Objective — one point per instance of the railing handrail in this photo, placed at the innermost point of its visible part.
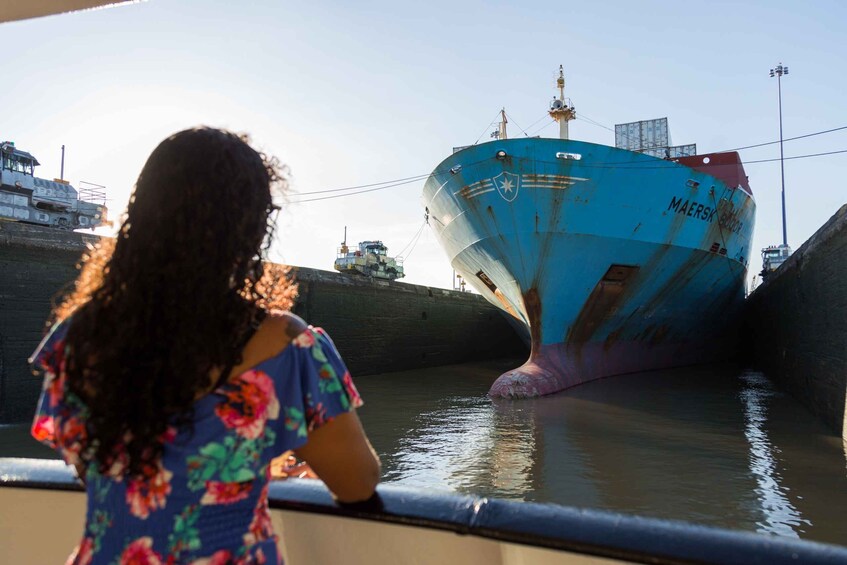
(590, 532)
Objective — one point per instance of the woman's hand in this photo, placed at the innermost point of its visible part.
(288, 466)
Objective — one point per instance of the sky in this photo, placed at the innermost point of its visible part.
(349, 94)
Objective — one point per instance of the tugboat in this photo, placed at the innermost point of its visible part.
(52, 203)
(370, 260)
(772, 257)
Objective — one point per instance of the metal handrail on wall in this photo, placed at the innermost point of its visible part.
(572, 531)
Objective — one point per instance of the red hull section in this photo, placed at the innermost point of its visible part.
(556, 367)
(724, 166)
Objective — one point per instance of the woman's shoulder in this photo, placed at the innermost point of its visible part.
(292, 330)
(282, 331)
(283, 327)
(275, 335)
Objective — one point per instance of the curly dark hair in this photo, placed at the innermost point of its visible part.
(162, 307)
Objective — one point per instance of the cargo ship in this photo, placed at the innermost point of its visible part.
(615, 259)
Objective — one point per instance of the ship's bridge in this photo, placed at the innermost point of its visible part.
(16, 167)
(375, 247)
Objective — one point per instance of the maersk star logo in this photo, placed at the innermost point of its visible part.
(507, 185)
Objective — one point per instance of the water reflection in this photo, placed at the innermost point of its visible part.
(780, 516)
(712, 445)
(462, 445)
(640, 445)
(437, 430)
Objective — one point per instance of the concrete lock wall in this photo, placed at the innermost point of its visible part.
(796, 323)
(35, 264)
(382, 326)
(378, 326)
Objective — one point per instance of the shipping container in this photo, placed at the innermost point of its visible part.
(651, 137)
(645, 134)
(672, 152)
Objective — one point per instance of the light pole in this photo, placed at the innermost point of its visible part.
(778, 72)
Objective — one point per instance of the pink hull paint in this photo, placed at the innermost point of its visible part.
(557, 367)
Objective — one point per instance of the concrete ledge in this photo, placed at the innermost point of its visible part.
(795, 323)
(16, 234)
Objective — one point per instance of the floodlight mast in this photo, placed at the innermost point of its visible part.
(777, 72)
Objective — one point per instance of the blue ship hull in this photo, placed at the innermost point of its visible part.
(614, 261)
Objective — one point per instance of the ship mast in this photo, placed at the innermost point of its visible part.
(561, 109)
(501, 133)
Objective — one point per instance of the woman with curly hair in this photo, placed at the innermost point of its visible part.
(174, 373)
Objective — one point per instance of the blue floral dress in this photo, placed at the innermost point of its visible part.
(209, 497)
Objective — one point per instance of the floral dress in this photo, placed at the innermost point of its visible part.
(208, 499)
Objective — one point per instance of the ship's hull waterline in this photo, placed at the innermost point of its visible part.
(615, 261)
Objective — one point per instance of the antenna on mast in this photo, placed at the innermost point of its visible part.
(561, 108)
(500, 132)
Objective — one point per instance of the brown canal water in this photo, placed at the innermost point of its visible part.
(712, 445)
